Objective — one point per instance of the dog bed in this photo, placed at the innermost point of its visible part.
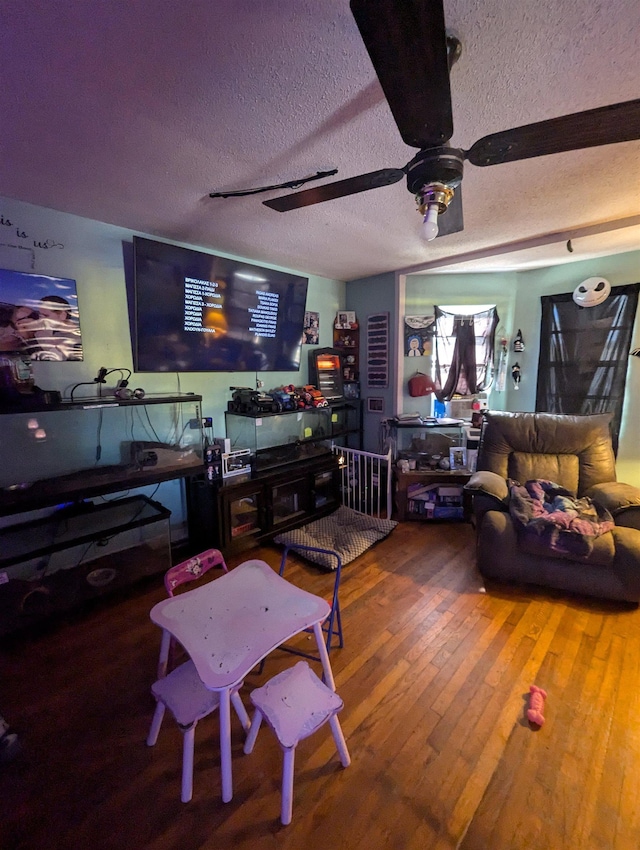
(347, 532)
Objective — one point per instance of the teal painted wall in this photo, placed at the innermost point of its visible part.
(618, 269)
(517, 298)
(425, 291)
(94, 254)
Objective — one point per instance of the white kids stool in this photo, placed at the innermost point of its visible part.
(295, 703)
(183, 693)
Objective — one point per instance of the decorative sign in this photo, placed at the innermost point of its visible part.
(378, 350)
(15, 238)
(418, 335)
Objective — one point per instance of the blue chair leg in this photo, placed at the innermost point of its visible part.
(334, 621)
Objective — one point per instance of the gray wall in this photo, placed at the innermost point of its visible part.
(368, 296)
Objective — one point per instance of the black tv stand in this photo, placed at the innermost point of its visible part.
(296, 476)
(234, 515)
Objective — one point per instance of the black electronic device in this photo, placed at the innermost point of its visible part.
(198, 312)
(144, 454)
(325, 372)
(17, 387)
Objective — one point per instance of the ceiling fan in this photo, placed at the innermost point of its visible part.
(412, 56)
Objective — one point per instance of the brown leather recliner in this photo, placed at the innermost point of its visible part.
(575, 452)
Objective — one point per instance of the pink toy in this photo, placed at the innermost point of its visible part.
(536, 703)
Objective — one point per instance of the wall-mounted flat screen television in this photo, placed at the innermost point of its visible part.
(39, 316)
(197, 312)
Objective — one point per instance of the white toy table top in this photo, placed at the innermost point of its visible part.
(228, 625)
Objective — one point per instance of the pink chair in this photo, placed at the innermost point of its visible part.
(186, 571)
(192, 569)
(295, 703)
(181, 690)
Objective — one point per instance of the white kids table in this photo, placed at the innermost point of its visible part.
(229, 625)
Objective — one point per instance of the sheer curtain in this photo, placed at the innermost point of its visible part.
(584, 354)
(464, 352)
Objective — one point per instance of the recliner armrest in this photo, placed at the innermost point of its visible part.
(489, 484)
(621, 500)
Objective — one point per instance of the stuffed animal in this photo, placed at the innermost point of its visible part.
(536, 703)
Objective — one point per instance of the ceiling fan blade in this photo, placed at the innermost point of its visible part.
(605, 125)
(451, 220)
(339, 189)
(407, 45)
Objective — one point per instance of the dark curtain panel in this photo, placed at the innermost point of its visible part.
(464, 352)
(584, 354)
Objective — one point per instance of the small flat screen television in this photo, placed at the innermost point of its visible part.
(197, 312)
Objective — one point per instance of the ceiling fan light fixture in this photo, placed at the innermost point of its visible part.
(418, 91)
(429, 229)
(433, 199)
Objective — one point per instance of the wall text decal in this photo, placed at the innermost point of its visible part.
(45, 244)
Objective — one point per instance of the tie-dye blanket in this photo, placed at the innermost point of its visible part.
(555, 517)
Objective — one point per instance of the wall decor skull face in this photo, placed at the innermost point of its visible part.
(592, 291)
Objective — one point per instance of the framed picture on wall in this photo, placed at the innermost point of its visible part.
(418, 335)
(346, 320)
(375, 405)
(39, 316)
(311, 330)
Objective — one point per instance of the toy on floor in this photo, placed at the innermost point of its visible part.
(536, 704)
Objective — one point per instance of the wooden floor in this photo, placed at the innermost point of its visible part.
(434, 676)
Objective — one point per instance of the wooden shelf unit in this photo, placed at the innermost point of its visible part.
(347, 342)
(443, 504)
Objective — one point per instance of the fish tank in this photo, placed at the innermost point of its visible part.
(275, 439)
(70, 450)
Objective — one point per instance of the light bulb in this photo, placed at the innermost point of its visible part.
(429, 229)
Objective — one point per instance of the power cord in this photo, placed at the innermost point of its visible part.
(101, 378)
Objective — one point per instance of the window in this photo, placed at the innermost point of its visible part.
(584, 354)
(464, 350)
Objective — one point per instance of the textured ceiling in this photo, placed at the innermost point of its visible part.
(132, 111)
